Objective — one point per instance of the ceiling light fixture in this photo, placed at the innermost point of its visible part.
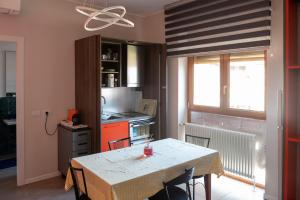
(109, 16)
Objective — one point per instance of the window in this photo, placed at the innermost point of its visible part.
(207, 72)
(231, 84)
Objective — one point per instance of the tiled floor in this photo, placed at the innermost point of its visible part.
(53, 189)
(224, 188)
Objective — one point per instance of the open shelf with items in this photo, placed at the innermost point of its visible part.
(111, 65)
(104, 72)
(114, 61)
(292, 102)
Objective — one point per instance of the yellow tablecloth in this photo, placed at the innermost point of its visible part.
(125, 174)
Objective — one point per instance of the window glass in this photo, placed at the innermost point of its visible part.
(247, 82)
(207, 81)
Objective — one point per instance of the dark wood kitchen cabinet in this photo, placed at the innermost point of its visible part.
(154, 84)
(88, 82)
(87, 85)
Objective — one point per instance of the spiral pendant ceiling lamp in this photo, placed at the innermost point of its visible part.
(107, 16)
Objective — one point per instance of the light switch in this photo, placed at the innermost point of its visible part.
(36, 113)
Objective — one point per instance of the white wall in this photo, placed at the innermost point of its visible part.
(182, 94)
(172, 97)
(154, 27)
(49, 29)
(275, 77)
(176, 96)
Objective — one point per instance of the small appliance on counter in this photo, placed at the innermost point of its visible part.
(73, 116)
(70, 125)
(73, 121)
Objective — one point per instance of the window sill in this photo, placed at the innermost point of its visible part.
(229, 112)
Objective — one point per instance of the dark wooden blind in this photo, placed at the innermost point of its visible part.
(203, 26)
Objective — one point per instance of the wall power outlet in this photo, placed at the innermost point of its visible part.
(46, 111)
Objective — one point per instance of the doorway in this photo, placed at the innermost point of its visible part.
(8, 106)
(12, 106)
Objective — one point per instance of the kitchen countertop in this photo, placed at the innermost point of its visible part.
(127, 116)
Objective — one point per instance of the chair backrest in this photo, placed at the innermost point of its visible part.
(197, 140)
(182, 179)
(74, 173)
(119, 144)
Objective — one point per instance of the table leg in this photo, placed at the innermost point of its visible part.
(207, 183)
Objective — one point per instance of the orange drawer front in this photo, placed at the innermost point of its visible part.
(113, 131)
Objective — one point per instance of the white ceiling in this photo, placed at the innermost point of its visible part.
(137, 7)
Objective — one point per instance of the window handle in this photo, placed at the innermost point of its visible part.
(225, 89)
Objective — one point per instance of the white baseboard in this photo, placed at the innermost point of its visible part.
(42, 177)
(269, 197)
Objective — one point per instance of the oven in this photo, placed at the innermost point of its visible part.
(140, 130)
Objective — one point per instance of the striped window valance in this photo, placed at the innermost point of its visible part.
(203, 26)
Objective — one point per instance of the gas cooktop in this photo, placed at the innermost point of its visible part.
(132, 114)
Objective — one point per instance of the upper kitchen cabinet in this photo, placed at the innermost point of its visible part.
(133, 57)
(111, 63)
(121, 63)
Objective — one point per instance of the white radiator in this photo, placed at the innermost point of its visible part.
(237, 149)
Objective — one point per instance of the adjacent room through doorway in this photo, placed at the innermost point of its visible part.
(7, 106)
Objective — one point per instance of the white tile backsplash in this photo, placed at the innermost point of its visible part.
(120, 99)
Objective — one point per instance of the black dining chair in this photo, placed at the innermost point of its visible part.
(171, 190)
(119, 144)
(201, 141)
(78, 194)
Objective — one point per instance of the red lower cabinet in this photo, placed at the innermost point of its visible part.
(113, 131)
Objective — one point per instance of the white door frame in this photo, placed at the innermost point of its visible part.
(20, 132)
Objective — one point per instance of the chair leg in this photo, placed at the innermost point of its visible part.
(194, 185)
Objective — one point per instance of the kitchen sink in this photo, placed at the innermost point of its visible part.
(113, 117)
(109, 117)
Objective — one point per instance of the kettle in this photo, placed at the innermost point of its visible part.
(76, 119)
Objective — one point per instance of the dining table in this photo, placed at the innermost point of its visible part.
(127, 174)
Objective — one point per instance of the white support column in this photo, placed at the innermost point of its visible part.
(275, 80)
(176, 96)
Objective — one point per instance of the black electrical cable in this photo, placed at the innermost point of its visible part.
(47, 132)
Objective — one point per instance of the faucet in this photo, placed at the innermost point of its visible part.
(104, 102)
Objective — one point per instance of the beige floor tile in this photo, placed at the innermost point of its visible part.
(53, 189)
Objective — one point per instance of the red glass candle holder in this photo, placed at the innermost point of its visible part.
(148, 151)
